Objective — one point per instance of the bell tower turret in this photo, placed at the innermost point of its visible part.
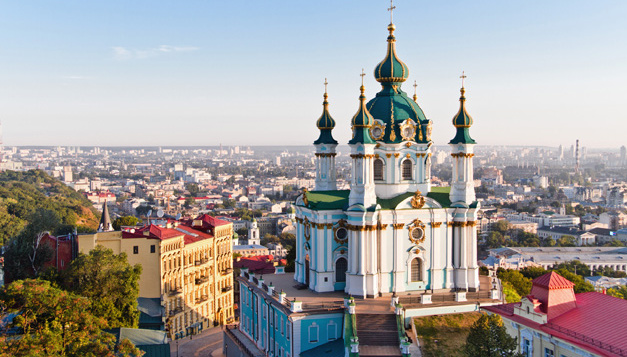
(326, 177)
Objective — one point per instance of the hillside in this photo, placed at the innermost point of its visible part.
(22, 193)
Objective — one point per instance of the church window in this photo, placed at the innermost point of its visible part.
(341, 265)
(331, 331)
(416, 269)
(313, 333)
(341, 234)
(378, 169)
(407, 170)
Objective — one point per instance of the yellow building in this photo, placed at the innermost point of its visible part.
(186, 264)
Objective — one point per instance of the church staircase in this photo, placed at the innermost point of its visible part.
(378, 335)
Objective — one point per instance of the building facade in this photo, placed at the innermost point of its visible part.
(187, 265)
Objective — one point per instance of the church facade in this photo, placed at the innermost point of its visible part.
(392, 231)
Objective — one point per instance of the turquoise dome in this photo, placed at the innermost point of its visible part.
(325, 123)
(361, 122)
(462, 121)
(391, 105)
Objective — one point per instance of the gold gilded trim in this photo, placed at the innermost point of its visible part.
(418, 201)
(461, 154)
(436, 224)
(388, 155)
(319, 154)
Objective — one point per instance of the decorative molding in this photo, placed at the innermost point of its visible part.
(408, 144)
(388, 155)
(461, 154)
(362, 156)
(398, 225)
(325, 154)
(396, 155)
(416, 231)
(436, 224)
(418, 201)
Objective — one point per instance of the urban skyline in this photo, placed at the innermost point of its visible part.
(203, 72)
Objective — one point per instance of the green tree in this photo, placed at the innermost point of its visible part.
(25, 255)
(109, 281)
(575, 267)
(533, 272)
(619, 292)
(519, 282)
(511, 295)
(124, 221)
(581, 285)
(291, 260)
(501, 226)
(54, 322)
(488, 338)
(567, 241)
(193, 189)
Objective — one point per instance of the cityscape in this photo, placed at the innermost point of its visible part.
(361, 226)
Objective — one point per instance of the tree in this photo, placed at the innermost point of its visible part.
(125, 221)
(193, 189)
(618, 291)
(567, 241)
(581, 285)
(488, 338)
(291, 260)
(54, 322)
(501, 226)
(189, 202)
(519, 282)
(532, 272)
(109, 281)
(25, 255)
(575, 267)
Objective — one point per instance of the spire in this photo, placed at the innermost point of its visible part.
(391, 69)
(105, 220)
(325, 123)
(462, 120)
(362, 120)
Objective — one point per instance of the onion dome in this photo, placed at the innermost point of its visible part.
(391, 69)
(462, 121)
(362, 121)
(392, 107)
(325, 123)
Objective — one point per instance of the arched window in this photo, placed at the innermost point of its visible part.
(416, 269)
(378, 169)
(407, 169)
(341, 265)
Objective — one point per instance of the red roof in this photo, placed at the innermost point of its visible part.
(552, 280)
(157, 232)
(262, 264)
(598, 323)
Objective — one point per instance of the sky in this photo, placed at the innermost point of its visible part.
(249, 72)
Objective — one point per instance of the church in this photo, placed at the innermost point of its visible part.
(392, 231)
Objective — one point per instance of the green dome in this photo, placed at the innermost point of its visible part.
(391, 69)
(462, 121)
(361, 122)
(325, 123)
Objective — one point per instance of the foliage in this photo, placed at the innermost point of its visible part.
(291, 260)
(24, 255)
(519, 282)
(501, 226)
(444, 335)
(124, 221)
(575, 267)
(53, 322)
(488, 338)
(24, 193)
(619, 292)
(567, 241)
(143, 210)
(607, 271)
(533, 272)
(511, 295)
(109, 281)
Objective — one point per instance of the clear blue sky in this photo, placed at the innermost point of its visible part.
(121, 72)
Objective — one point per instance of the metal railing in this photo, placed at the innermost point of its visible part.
(330, 305)
(587, 339)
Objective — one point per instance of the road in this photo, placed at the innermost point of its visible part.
(206, 344)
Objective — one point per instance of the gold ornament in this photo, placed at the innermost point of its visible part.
(418, 201)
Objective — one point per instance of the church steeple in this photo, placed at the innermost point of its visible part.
(391, 69)
(325, 123)
(362, 120)
(326, 178)
(462, 120)
(105, 220)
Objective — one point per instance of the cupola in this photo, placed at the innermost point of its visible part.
(391, 69)
(362, 120)
(462, 121)
(325, 123)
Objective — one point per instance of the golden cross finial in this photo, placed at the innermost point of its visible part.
(325, 85)
(391, 10)
(415, 91)
(463, 76)
(362, 76)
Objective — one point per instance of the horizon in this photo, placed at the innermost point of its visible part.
(92, 74)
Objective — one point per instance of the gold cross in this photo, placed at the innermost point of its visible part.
(325, 85)
(391, 10)
(463, 76)
(362, 76)
(415, 91)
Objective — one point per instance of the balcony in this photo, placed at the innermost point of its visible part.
(175, 292)
(227, 288)
(202, 280)
(227, 271)
(176, 311)
(202, 299)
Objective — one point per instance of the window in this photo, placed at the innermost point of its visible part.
(416, 269)
(526, 347)
(135, 249)
(313, 333)
(407, 170)
(331, 331)
(152, 248)
(378, 169)
(548, 352)
(289, 330)
(341, 265)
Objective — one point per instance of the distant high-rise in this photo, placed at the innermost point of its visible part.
(560, 152)
(623, 155)
(577, 156)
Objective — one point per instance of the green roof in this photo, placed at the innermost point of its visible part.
(462, 121)
(338, 199)
(391, 69)
(327, 200)
(325, 123)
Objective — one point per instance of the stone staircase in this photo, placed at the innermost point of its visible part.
(378, 335)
